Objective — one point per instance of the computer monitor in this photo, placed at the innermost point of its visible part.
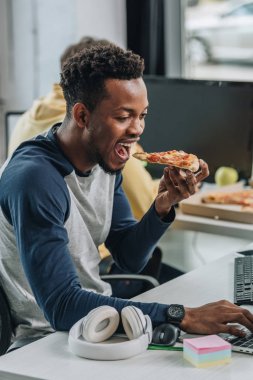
(11, 119)
(212, 119)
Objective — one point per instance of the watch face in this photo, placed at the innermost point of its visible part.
(176, 312)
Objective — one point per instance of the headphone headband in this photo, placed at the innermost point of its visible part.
(117, 347)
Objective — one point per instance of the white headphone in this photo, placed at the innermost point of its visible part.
(89, 337)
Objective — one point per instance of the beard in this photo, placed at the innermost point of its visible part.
(97, 157)
(104, 165)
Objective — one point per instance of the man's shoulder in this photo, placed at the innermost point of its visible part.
(35, 163)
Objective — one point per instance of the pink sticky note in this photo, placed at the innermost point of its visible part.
(205, 344)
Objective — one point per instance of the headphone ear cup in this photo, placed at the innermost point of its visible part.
(134, 322)
(100, 324)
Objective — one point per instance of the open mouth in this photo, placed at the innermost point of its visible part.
(123, 150)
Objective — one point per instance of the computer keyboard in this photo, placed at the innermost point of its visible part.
(242, 344)
(243, 280)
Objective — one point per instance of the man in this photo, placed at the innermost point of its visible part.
(61, 197)
(48, 110)
(137, 184)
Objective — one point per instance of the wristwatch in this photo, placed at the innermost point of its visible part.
(175, 314)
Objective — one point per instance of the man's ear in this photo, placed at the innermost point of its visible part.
(80, 114)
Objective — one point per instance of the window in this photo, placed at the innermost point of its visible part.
(219, 40)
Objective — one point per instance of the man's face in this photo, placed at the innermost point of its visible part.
(117, 122)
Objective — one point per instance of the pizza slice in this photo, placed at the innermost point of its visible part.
(177, 158)
(243, 198)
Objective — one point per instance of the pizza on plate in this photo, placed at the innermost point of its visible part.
(242, 197)
(177, 158)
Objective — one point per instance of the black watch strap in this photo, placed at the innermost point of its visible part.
(175, 314)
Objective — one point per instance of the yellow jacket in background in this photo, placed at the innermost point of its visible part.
(140, 188)
(45, 112)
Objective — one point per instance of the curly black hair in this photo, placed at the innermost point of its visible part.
(83, 43)
(83, 75)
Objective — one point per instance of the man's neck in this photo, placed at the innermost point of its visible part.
(68, 138)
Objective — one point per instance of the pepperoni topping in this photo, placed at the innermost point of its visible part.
(153, 158)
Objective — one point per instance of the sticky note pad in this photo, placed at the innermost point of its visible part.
(207, 351)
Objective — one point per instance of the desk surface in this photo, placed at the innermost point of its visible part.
(209, 225)
(50, 358)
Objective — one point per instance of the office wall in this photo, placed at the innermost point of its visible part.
(3, 73)
(70, 20)
(102, 18)
(33, 34)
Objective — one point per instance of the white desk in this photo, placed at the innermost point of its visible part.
(213, 226)
(49, 358)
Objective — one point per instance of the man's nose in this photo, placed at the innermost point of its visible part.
(136, 128)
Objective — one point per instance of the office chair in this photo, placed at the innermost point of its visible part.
(5, 323)
(126, 285)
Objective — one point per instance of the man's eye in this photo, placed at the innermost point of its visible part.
(143, 115)
(122, 118)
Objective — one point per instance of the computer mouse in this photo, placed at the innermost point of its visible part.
(165, 334)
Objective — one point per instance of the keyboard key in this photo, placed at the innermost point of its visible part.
(243, 280)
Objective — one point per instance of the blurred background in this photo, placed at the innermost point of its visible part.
(194, 39)
(210, 41)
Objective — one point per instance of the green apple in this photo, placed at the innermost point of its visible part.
(225, 176)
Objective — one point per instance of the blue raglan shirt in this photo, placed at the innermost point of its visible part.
(35, 201)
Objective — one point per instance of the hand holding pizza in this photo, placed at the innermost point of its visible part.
(181, 177)
(177, 185)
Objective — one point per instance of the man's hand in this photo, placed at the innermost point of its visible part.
(213, 318)
(177, 185)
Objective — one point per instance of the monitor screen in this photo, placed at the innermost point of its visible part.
(212, 119)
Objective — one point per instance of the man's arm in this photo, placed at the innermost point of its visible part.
(42, 244)
(37, 206)
(130, 242)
